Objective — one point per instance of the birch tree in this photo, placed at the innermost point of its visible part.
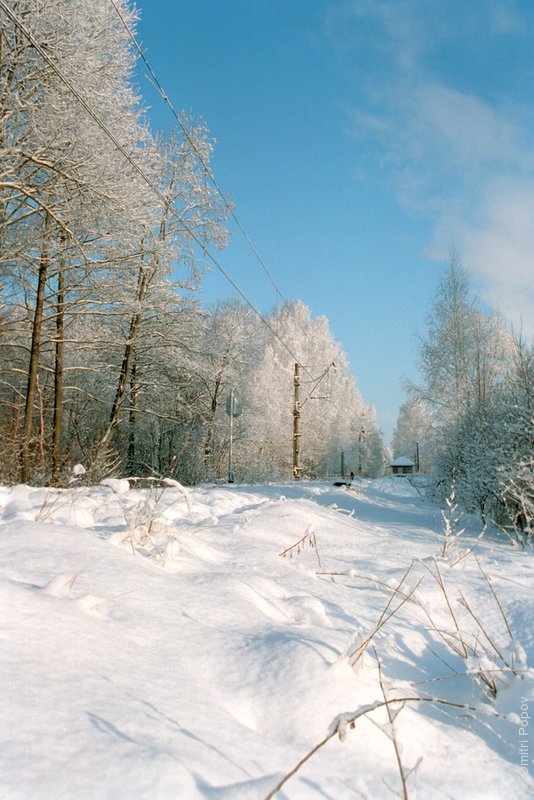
(63, 179)
(192, 212)
(478, 383)
(462, 354)
(332, 408)
(414, 433)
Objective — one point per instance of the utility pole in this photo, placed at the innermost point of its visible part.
(297, 405)
(296, 425)
(233, 409)
(230, 453)
(360, 436)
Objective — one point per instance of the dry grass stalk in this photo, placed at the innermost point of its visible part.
(344, 722)
(392, 734)
(488, 581)
(308, 540)
(353, 576)
(385, 616)
(458, 643)
(455, 641)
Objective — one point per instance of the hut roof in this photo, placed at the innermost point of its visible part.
(402, 461)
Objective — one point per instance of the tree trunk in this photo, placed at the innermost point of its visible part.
(210, 426)
(58, 378)
(143, 282)
(132, 419)
(33, 368)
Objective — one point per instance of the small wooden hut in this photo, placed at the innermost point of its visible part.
(401, 466)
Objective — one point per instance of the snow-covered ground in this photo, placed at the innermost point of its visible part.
(159, 644)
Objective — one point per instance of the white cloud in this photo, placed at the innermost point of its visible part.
(466, 133)
(463, 161)
(501, 251)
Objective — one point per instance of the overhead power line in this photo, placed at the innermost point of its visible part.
(102, 125)
(316, 382)
(205, 166)
(199, 155)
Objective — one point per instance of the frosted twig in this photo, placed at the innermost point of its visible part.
(310, 539)
(385, 616)
(392, 736)
(344, 721)
(488, 581)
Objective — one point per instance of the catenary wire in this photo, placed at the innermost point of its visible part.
(153, 78)
(199, 155)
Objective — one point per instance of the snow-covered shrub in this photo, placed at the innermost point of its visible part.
(451, 523)
(146, 518)
(517, 492)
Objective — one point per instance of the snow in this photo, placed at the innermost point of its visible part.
(402, 461)
(165, 642)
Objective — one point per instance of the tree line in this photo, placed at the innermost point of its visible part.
(107, 357)
(472, 412)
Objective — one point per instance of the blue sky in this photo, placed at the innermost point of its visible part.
(361, 140)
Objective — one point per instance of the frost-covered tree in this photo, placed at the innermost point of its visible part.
(190, 205)
(515, 433)
(478, 384)
(334, 416)
(226, 350)
(413, 434)
(96, 223)
(106, 355)
(490, 451)
(463, 353)
(466, 455)
(444, 356)
(70, 197)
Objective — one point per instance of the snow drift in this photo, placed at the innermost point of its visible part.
(199, 643)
